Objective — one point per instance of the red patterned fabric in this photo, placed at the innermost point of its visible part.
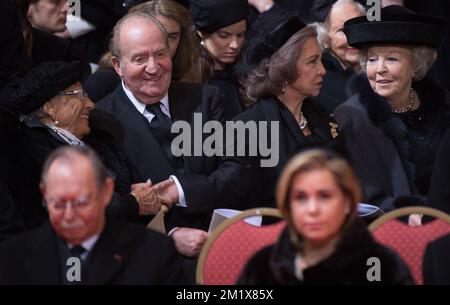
(410, 242)
(232, 249)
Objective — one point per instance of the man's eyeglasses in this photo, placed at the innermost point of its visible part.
(80, 93)
(61, 205)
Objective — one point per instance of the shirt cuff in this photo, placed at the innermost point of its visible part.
(181, 199)
(172, 231)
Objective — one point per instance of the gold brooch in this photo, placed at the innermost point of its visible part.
(333, 129)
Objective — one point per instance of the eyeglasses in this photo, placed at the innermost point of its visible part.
(80, 93)
(76, 204)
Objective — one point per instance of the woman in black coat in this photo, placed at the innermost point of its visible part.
(54, 112)
(284, 73)
(396, 117)
(324, 242)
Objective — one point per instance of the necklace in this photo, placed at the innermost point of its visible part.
(303, 122)
(410, 106)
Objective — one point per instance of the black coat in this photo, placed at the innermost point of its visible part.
(439, 196)
(48, 47)
(23, 159)
(261, 181)
(333, 92)
(124, 254)
(13, 58)
(274, 265)
(378, 142)
(229, 92)
(149, 157)
(436, 265)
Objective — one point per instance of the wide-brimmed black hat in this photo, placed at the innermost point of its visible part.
(44, 82)
(269, 33)
(397, 25)
(211, 15)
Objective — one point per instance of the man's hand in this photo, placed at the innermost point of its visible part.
(189, 242)
(167, 192)
(147, 198)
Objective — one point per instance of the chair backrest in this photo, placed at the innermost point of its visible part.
(407, 241)
(232, 244)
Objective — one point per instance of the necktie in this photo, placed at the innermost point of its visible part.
(161, 123)
(77, 251)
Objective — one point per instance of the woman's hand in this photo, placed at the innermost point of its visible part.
(415, 220)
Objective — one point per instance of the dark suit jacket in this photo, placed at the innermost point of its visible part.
(124, 254)
(148, 156)
(49, 47)
(436, 265)
(13, 58)
(439, 197)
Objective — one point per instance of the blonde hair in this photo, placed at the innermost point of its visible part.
(314, 160)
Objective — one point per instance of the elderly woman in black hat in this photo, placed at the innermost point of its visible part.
(55, 111)
(220, 27)
(283, 67)
(395, 120)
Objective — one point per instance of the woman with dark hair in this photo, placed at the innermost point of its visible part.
(396, 117)
(220, 27)
(324, 242)
(284, 69)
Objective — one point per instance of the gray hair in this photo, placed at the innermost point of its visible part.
(324, 40)
(423, 58)
(269, 77)
(69, 154)
(114, 42)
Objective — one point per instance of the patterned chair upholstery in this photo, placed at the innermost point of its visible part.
(410, 242)
(232, 244)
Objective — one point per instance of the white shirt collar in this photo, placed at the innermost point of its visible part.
(141, 106)
(89, 243)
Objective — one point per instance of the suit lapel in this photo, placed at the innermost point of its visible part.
(149, 148)
(109, 255)
(43, 263)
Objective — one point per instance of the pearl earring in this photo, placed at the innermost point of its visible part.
(415, 74)
(56, 122)
(283, 89)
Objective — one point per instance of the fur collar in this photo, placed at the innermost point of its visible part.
(356, 244)
(435, 102)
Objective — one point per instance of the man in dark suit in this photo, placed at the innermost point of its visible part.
(146, 107)
(79, 246)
